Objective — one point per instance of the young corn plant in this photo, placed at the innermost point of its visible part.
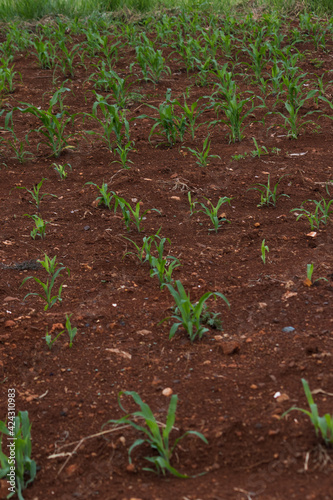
(131, 214)
(123, 154)
(7, 75)
(268, 196)
(50, 265)
(259, 151)
(167, 123)
(21, 470)
(320, 215)
(46, 53)
(144, 253)
(48, 286)
(322, 425)
(156, 435)
(66, 58)
(188, 314)
(257, 53)
(203, 156)
(264, 249)
(163, 268)
(72, 331)
(105, 197)
(109, 80)
(191, 114)
(151, 62)
(18, 147)
(113, 122)
(54, 125)
(40, 226)
(192, 203)
(35, 193)
(212, 212)
(291, 120)
(49, 340)
(235, 115)
(61, 170)
(309, 273)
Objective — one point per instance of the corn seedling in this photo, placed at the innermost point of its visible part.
(203, 156)
(113, 122)
(18, 467)
(321, 214)
(291, 120)
(50, 265)
(167, 122)
(188, 314)
(66, 58)
(259, 151)
(70, 330)
(123, 153)
(235, 116)
(212, 212)
(61, 169)
(257, 53)
(35, 193)
(191, 114)
(143, 253)
(46, 53)
(158, 439)
(7, 75)
(192, 204)
(40, 226)
(129, 212)
(53, 124)
(163, 268)
(109, 80)
(322, 425)
(264, 249)
(309, 272)
(49, 340)
(105, 197)
(48, 286)
(18, 147)
(204, 68)
(151, 62)
(267, 195)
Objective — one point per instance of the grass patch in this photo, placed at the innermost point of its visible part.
(28, 10)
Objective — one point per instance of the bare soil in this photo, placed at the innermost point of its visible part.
(226, 382)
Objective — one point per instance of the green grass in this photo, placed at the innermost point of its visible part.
(36, 9)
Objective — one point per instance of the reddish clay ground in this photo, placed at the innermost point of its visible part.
(227, 381)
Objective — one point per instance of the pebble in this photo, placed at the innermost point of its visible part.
(9, 323)
(167, 391)
(288, 329)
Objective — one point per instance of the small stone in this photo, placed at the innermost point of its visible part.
(57, 326)
(254, 386)
(10, 323)
(230, 348)
(86, 228)
(288, 329)
(167, 391)
(257, 224)
(143, 332)
(175, 198)
(282, 398)
(262, 305)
